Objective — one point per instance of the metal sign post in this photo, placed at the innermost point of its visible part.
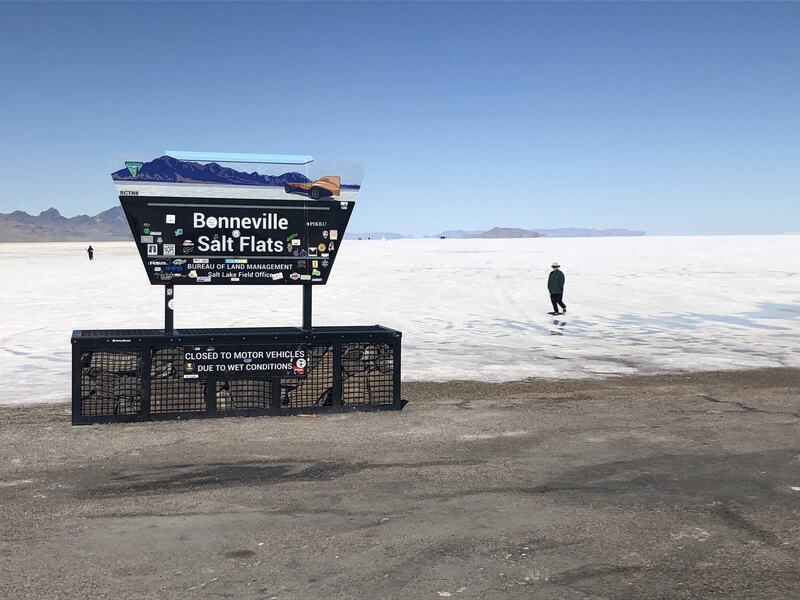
(307, 307)
(169, 312)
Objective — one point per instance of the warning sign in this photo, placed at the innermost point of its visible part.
(244, 361)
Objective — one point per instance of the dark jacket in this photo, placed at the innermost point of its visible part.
(555, 283)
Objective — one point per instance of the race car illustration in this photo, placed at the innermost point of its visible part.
(319, 188)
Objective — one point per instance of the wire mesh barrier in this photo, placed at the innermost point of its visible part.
(110, 383)
(316, 389)
(367, 371)
(140, 375)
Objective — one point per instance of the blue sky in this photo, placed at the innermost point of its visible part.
(671, 118)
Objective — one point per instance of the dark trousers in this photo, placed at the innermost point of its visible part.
(556, 300)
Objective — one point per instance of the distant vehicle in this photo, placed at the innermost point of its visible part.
(323, 187)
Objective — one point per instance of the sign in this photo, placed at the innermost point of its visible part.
(242, 241)
(244, 361)
(133, 167)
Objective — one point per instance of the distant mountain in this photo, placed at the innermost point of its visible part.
(171, 170)
(513, 232)
(504, 232)
(51, 226)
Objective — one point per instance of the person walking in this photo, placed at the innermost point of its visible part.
(90, 252)
(555, 285)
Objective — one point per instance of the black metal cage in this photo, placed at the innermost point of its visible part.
(138, 375)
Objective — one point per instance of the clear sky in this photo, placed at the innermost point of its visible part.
(671, 118)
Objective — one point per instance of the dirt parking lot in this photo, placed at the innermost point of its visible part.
(683, 486)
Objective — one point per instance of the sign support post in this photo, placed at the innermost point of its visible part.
(307, 306)
(168, 310)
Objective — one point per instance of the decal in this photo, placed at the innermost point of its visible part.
(133, 167)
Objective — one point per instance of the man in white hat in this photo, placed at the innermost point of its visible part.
(555, 285)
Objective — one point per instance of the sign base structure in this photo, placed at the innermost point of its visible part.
(153, 374)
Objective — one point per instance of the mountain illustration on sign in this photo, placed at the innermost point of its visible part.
(166, 169)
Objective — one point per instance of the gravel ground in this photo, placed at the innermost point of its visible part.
(683, 486)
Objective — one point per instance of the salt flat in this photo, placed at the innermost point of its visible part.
(468, 309)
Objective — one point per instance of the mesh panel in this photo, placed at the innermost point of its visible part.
(243, 394)
(169, 391)
(316, 389)
(367, 374)
(110, 383)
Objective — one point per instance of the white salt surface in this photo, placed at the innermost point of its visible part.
(468, 309)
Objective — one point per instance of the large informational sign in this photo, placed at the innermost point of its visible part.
(196, 221)
(243, 241)
(244, 361)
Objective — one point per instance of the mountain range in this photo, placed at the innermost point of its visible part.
(52, 226)
(111, 225)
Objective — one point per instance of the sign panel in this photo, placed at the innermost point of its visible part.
(244, 361)
(188, 241)
(237, 219)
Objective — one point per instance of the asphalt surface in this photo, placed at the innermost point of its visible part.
(652, 487)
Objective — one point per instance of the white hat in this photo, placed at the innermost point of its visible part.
(555, 264)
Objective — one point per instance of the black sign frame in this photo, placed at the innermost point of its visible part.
(236, 241)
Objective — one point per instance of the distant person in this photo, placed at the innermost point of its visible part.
(90, 252)
(555, 285)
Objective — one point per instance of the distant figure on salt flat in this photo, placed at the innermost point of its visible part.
(555, 285)
(90, 252)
